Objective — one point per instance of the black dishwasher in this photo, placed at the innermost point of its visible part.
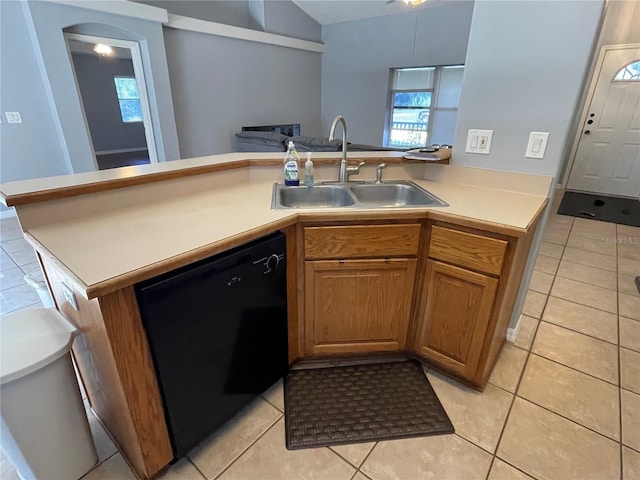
(218, 335)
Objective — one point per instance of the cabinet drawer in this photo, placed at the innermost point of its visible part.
(361, 241)
(467, 249)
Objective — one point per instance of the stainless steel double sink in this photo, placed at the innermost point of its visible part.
(394, 194)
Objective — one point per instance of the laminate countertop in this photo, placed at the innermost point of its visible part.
(109, 238)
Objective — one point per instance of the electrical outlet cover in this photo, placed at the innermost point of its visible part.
(70, 296)
(479, 141)
(13, 117)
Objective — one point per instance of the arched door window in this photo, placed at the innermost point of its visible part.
(629, 72)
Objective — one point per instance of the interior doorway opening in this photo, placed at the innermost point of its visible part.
(110, 82)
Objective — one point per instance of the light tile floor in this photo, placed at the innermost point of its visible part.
(562, 403)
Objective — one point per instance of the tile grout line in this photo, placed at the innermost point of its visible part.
(345, 459)
(99, 464)
(574, 369)
(624, 445)
(583, 304)
(578, 331)
(358, 471)
(582, 281)
(246, 449)
(196, 467)
(618, 353)
(568, 419)
(271, 403)
(524, 367)
(367, 458)
(513, 399)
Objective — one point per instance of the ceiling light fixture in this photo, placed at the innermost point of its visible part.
(102, 49)
(413, 3)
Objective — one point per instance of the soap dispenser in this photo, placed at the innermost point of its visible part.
(291, 160)
(308, 171)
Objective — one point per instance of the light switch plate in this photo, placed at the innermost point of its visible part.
(479, 141)
(537, 144)
(13, 117)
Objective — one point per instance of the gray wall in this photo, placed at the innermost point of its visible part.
(525, 73)
(285, 18)
(229, 12)
(37, 79)
(95, 78)
(48, 22)
(282, 17)
(359, 54)
(221, 84)
(30, 149)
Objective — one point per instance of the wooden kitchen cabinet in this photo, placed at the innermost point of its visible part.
(358, 287)
(358, 306)
(470, 282)
(454, 315)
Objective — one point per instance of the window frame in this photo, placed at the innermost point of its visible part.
(437, 74)
(392, 107)
(128, 77)
(634, 77)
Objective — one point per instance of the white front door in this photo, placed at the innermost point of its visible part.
(607, 159)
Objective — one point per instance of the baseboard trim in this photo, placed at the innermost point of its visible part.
(512, 332)
(122, 150)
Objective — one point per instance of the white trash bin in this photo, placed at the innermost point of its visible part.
(45, 431)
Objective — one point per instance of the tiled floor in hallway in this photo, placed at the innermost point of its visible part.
(17, 258)
(563, 401)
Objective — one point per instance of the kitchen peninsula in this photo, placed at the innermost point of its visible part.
(98, 234)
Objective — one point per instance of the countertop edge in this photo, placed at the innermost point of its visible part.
(130, 278)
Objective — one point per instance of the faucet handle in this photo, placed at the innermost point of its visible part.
(379, 172)
(354, 170)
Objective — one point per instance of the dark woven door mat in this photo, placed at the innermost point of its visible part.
(601, 207)
(360, 403)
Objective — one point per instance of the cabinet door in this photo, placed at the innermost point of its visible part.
(356, 306)
(454, 314)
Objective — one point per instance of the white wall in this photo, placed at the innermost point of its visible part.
(358, 56)
(524, 72)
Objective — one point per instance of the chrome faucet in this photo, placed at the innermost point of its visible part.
(345, 171)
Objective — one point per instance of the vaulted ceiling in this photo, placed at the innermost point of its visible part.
(335, 11)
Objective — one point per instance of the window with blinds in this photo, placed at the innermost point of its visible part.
(423, 103)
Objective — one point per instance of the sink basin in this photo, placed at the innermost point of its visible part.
(398, 194)
(322, 196)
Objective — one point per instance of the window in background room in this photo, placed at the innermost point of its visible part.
(423, 106)
(129, 100)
